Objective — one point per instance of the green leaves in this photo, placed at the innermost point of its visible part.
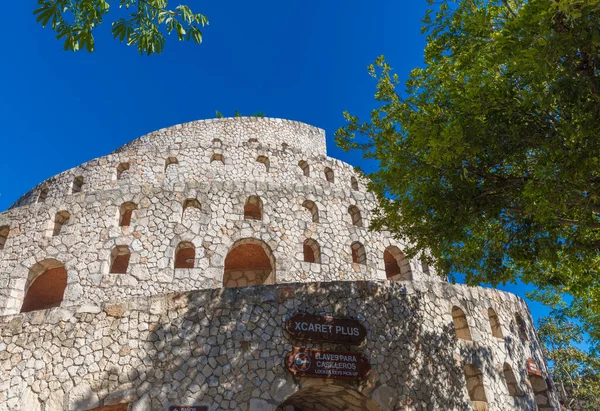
(574, 369)
(490, 151)
(75, 20)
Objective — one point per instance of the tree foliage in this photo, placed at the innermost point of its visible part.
(576, 371)
(143, 25)
(490, 158)
(238, 114)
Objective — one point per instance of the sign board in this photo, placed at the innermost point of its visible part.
(326, 329)
(532, 368)
(188, 408)
(339, 365)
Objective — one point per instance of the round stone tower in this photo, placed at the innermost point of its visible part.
(228, 264)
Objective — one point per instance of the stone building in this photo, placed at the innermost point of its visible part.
(164, 273)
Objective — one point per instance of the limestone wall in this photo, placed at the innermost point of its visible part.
(100, 242)
(84, 243)
(224, 348)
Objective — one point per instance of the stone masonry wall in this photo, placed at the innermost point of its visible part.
(224, 348)
(154, 335)
(85, 241)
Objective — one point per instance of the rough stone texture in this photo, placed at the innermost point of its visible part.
(157, 335)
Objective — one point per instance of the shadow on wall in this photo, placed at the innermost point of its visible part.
(225, 348)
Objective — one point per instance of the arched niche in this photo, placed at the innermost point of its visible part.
(45, 287)
(511, 381)
(4, 231)
(126, 213)
(185, 255)
(311, 251)
(359, 255)
(329, 175)
(264, 160)
(43, 195)
(521, 327)
(191, 210)
(77, 185)
(397, 266)
(119, 259)
(253, 208)
(249, 262)
(495, 323)
(171, 164)
(60, 219)
(122, 170)
(355, 216)
(304, 167)
(475, 386)
(312, 208)
(461, 325)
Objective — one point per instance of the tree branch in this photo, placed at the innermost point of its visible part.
(509, 8)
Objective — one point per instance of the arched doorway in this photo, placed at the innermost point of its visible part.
(249, 262)
(328, 397)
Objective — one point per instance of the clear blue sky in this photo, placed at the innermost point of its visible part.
(304, 61)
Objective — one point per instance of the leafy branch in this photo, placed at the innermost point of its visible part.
(75, 20)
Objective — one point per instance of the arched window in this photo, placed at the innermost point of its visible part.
(217, 142)
(218, 158)
(119, 259)
(511, 381)
(264, 161)
(312, 251)
(354, 183)
(77, 185)
(311, 207)
(4, 231)
(359, 256)
(355, 216)
(397, 266)
(191, 207)
(539, 385)
(475, 384)
(252, 140)
(171, 163)
(60, 219)
(329, 175)
(185, 255)
(495, 323)
(45, 286)
(122, 170)
(43, 195)
(521, 327)
(249, 262)
(126, 213)
(253, 209)
(284, 146)
(461, 326)
(304, 167)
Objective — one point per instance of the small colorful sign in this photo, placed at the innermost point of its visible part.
(533, 368)
(326, 329)
(339, 365)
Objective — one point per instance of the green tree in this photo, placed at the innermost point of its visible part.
(576, 371)
(489, 158)
(143, 24)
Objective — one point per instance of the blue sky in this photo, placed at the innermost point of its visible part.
(304, 61)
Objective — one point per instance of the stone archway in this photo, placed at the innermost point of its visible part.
(249, 262)
(328, 397)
